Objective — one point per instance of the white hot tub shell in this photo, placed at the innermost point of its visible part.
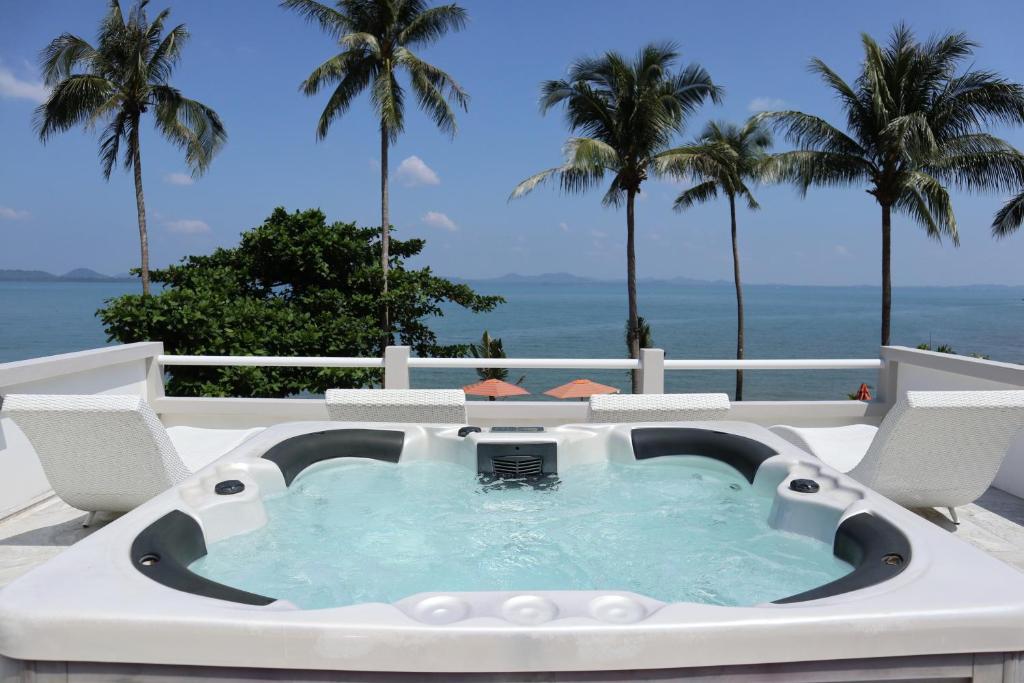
(919, 600)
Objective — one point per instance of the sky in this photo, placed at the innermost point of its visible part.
(247, 57)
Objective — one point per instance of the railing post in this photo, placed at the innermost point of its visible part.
(888, 380)
(396, 367)
(652, 371)
(155, 376)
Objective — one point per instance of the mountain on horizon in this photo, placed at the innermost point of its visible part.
(75, 275)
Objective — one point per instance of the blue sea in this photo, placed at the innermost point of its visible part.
(587, 321)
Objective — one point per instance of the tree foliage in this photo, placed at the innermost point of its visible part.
(296, 285)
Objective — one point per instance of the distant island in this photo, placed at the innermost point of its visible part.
(76, 275)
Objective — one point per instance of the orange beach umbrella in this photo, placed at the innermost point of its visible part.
(494, 388)
(580, 388)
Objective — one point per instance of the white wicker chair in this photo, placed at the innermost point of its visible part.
(657, 407)
(110, 453)
(933, 449)
(435, 406)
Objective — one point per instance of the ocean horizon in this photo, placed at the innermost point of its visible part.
(586, 320)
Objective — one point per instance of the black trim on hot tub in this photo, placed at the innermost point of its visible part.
(299, 452)
(164, 549)
(739, 452)
(877, 550)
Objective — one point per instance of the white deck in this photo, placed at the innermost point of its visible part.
(995, 524)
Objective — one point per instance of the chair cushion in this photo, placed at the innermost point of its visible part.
(198, 447)
(838, 447)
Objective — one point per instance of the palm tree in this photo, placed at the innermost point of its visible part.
(377, 38)
(491, 347)
(724, 159)
(915, 123)
(114, 83)
(626, 112)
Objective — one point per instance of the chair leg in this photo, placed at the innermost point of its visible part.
(89, 520)
(952, 515)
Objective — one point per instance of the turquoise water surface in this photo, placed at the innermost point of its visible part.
(674, 529)
(586, 321)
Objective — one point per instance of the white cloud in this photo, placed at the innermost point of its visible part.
(436, 219)
(187, 226)
(13, 214)
(842, 250)
(414, 171)
(766, 104)
(179, 179)
(16, 88)
(598, 234)
(564, 226)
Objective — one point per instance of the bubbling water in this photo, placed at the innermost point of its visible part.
(674, 529)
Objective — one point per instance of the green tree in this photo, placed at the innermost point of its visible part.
(915, 124)
(724, 159)
(377, 38)
(296, 285)
(491, 347)
(626, 112)
(113, 84)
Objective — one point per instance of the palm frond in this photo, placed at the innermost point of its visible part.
(63, 55)
(431, 25)
(388, 99)
(110, 142)
(72, 101)
(925, 200)
(433, 89)
(362, 42)
(809, 132)
(806, 168)
(191, 125)
(1009, 218)
(331, 21)
(530, 184)
(698, 194)
(166, 55)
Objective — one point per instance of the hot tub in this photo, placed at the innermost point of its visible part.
(707, 548)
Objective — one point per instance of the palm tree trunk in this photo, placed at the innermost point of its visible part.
(739, 297)
(634, 337)
(140, 205)
(886, 272)
(385, 227)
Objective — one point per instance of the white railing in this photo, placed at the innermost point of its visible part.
(777, 364)
(273, 361)
(652, 364)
